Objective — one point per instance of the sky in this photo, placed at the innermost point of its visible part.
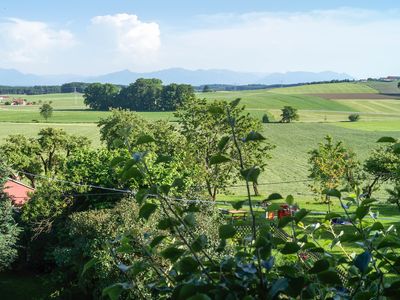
(91, 37)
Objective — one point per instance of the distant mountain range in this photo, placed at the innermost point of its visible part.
(177, 75)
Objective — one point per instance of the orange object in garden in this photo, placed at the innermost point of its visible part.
(286, 211)
(270, 215)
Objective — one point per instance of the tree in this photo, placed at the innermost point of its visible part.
(265, 118)
(46, 111)
(100, 96)
(142, 95)
(206, 128)
(289, 114)
(175, 95)
(383, 165)
(354, 117)
(331, 165)
(9, 230)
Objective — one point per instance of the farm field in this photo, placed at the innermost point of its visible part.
(327, 88)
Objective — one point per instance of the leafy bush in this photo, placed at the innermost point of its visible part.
(265, 118)
(354, 117)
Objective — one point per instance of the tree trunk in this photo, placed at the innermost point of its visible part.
(255, 188)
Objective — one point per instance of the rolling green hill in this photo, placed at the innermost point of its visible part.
(327, 88)
(384, 87)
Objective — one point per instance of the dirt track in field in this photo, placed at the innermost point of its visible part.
(363, 96)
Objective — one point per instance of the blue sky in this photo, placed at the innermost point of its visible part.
(99, 36)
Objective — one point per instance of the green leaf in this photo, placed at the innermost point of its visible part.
(298, 216)
(116, 161)
(172, 253)
(362, 211)
(332, 215)
(219, 159)
(290, 200)
(254, 137)
(144, 139)
(273, 207)
(90, 264)
(387, 139)
(167, 223)
(157, 241)
(290, 248)
(199, 243)
(393, 290)
(332, 193)
(235, 102)
(280, 285)
(376, 226)
(226, 231)
(190, 219)
(274, 196)
(113, 291)
(362, 260)
(223, 142)
(251, 174)
(319, 266)
(238, 204)
(188, 265)
(284, 221)
(368, 201)
(329, 277)
(141, 195)
(147, 210)
(133, 173)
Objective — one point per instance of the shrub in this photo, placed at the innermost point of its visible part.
(265, 118)
(354, 117)
(7, 103)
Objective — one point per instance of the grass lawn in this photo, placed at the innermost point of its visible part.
(327, 88)
(388, 125)
(384, 87)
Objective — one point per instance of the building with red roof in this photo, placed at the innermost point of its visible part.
(18, 192)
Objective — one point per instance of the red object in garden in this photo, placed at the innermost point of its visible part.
(18, 192)
(286, 211)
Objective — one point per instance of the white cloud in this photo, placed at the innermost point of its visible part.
(29, 42)
(127, 35)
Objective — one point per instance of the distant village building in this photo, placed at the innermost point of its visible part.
(18, 101)
(4, 97)
(18, 192)
(390, 78)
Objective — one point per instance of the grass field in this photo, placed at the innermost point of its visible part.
(327, 88)
(384, 87)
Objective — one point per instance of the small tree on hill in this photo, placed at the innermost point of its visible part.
(289, 114)
(46, 111)
(265, 118)
(331, 166)
(354, 117)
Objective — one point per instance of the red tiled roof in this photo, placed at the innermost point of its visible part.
(18, 192)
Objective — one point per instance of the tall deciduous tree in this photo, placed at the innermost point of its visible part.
(289, 114)
(207, 130)
(100, 96)
(332, 165)
(46, 111)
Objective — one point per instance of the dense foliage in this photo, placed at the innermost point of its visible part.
(289, 114)
(142, 95)
(46, 111)
(9, 231)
